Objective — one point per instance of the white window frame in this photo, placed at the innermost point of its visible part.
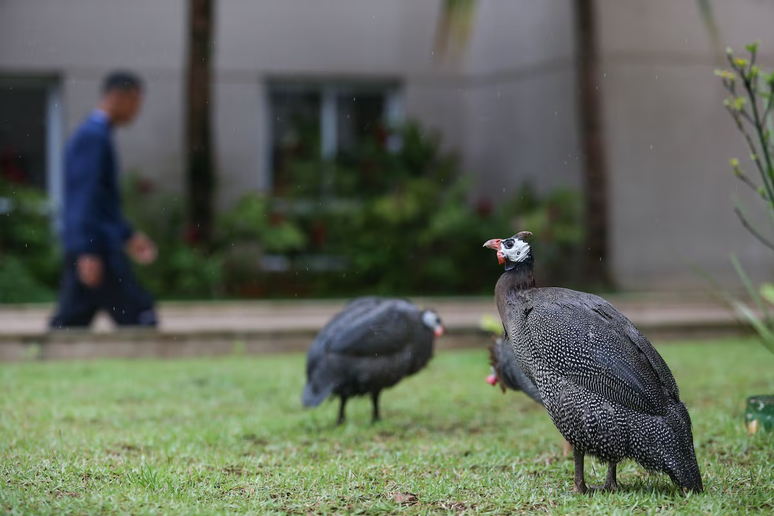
(329, 91)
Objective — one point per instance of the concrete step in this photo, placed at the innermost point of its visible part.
(194, 329)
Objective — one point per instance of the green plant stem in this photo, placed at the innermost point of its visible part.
(760, 130)
(749, 286)
(749, 227)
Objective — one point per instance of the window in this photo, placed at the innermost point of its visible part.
(314, 125)
(30, 133)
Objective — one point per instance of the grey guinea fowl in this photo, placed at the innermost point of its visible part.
(606, 388)
(372, 344)
(506, 371)
(508, 374)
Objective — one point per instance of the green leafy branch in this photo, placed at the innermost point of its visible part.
(750, 103)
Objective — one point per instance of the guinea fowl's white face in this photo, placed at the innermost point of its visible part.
(513, 249)
(432, 321)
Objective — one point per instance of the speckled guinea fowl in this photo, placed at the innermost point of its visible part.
(506, 371)
(606, 388)
(508, 374)
(370, 345)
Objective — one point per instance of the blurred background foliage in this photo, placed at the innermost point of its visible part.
(29, 261)
(392, 216)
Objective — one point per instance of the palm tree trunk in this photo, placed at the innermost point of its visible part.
(595, 182)
(198, 142)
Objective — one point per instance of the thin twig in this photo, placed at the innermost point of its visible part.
(767, 180)
(761, 130)
(746, 180)
(747, 116)
(769, 104)
(752, 230)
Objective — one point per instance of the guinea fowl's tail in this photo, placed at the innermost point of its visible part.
(669, 448)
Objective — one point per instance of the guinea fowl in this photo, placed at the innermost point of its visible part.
(507, 373)
(372, 344)
(606, 388)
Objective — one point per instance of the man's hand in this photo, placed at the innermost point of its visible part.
(90, 270)
(141, 249)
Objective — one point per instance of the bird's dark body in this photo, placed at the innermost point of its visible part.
(371, 345)
(508, 372)
(606, 388)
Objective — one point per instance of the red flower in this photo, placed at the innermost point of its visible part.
(382, 135)
(145, 186)
(192, 235)
(319, 234)
(484, 207)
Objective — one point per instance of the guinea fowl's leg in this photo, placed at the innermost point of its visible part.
(611, 484)
(580, 483)
(375, 400)
(341, 410)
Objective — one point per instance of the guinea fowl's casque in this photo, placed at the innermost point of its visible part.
(507, 373)
(372, 344)
(606, 388)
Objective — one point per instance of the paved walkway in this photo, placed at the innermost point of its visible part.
(266, 326)
(274, 316)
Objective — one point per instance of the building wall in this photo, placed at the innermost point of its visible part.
(509, 107)
(521, 93)
(486, 99)
(669, 141)
(80, 40)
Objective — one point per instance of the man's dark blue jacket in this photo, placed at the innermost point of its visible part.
(93, 222)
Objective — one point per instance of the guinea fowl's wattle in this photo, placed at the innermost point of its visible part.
(606, 388)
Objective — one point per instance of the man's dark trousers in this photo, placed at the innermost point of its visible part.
(119, 294)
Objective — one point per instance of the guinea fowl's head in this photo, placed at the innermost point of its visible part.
(512, 251)
(492, 378)
(433, 322)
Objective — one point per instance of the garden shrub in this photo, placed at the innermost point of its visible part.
(391, 220)
(29, 260)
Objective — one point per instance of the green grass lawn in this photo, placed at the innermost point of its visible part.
(228, 435)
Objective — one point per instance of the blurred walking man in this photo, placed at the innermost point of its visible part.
(96, 237)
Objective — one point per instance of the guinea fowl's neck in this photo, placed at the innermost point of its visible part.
(519, 276)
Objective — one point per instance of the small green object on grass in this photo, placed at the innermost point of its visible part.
(759, 413)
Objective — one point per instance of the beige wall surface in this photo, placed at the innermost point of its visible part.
(509, 107)
(669, 141)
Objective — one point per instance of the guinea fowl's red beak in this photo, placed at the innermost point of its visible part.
(495, 244)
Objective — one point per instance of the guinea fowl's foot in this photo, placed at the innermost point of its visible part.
(340, 420)
(611, 484)
(375, 401)
(580, 483)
